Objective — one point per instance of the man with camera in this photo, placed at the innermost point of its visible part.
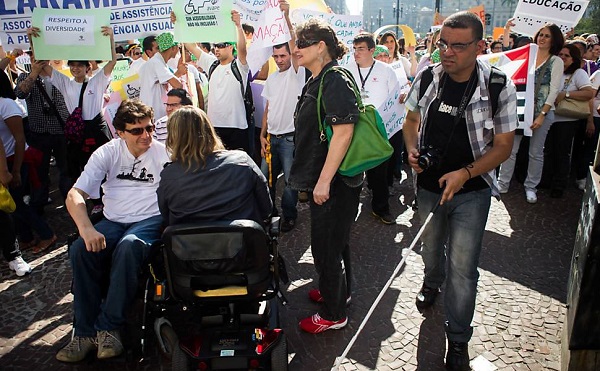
(455, 141)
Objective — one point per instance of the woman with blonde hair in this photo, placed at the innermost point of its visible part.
(205, 182)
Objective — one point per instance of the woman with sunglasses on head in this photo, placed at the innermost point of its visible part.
(333, 197)
(557, 152)
(548, 78)
(397, 56)
(233, 187)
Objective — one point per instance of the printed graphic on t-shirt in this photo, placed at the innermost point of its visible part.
(448, 109)
(138, 175)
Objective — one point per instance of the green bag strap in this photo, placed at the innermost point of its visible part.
(359, 101)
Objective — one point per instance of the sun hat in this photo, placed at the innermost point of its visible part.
(380, 49)
(165, 41)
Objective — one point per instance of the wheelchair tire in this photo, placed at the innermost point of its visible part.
(174, 353)
(279, 355)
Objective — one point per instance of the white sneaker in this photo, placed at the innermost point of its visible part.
(20, 266)
(531, 197)
(580, 184)
(502, 188)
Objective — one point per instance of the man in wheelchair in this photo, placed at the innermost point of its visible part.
(128, 170)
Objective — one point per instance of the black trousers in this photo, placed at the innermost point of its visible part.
(8, 238)
(234, 138)
(557, 153)
(377, 179)
(330, 237)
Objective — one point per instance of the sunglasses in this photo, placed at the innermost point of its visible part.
(221, 45)
(140, 131)
(137, 53)
(303, 43)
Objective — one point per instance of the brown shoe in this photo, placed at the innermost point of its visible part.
(77, 349)
(44, 245)
(109, 344)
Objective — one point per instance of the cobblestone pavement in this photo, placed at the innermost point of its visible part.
(520, 309)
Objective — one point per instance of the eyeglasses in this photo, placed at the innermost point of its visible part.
(221, 45)
(173, 105)
(137, 53)
(456, 47)
(140, 131)
(361, 49)
(304, 43)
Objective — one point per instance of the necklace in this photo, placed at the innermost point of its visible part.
(363, 92)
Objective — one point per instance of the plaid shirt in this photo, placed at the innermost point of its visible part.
(42, 119)
(481, 126)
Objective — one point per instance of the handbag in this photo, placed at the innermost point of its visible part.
(74, 126)
(370, 146)
(7, 204)
(572, 108)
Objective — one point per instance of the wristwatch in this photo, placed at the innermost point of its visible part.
(567, 95)
(543, 113)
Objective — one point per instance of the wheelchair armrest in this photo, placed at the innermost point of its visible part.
(273, 227)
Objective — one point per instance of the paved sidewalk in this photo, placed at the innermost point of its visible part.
(524, 271)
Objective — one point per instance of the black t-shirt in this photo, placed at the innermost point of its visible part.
(453, 148)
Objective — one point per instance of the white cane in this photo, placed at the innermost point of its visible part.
(385, 288)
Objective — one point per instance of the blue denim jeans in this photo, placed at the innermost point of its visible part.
(454, 234)
(282, 155)
(127, 246)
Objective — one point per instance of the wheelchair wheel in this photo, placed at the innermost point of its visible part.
(173, 352)
(279, 355)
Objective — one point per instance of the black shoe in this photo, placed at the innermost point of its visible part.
(556, 193)
(457, 358)
(386, 218)
(426, 297)
(288, 225)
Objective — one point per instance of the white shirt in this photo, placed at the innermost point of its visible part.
(131, 183)
(282, 90)
(135, 66)
(160, 129)
(226, 103)
(595, 79)
(579, 79)
(154, 76)
(93, 97)
(379, 84)
(8, 108)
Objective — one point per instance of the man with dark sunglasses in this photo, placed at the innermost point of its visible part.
(128, 170)
(455, 142)
(226, 108)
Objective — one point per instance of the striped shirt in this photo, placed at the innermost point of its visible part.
(481, 126)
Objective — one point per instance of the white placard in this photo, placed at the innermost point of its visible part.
(392, 113)
(69, 30)
(531, 15)
(345, 26)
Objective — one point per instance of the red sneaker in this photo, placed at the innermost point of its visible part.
(315, 324)
(315, 295)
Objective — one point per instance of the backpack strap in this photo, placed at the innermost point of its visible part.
(212, 68)
(81, 94)
(496, 83)
(426, 80)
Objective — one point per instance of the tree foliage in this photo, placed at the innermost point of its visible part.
(589, 23)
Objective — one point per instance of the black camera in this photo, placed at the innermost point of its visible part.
(428, 157)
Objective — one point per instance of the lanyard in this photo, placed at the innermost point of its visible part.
(363, 81)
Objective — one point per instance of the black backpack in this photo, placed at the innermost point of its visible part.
(246, 92)
(496, 82)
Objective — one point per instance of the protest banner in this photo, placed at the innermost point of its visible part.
(345, 26)
(480, 12)
(392, 113)
(531, 15)
(129, 87)
(71, 34)
(519, 65)
(129, 19)
(498, 31)
(201, 20)
(272, 28)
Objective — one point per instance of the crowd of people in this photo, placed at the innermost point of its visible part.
(187, 152)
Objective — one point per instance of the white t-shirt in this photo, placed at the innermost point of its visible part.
(226, 105)
(595, 80)
(379, 84)
(579, 79)
(93, 97)
(8, 108)
(135, 66)
(131, 183)
(154, 76)
(282, 90)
